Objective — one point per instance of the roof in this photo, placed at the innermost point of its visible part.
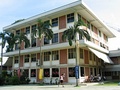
(8, 62)
(114, 53)
(78, 6)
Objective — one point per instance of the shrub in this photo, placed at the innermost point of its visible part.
(14, 80)
(2, 80)
(24, 79)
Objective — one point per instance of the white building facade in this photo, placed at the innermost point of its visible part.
(57, 56)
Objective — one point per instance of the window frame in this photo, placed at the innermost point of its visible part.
(46, 41)
(33, 57)
(54, 22)
(17, 32)
(55, 38)
(47, 72)
(81, 53)
(55, 72)
(70, 17)
(71, 53)
(71, 71)
(82, 71)
(26, 58)
(46, 56)
(16, 61)
(55, 55)
(33, 72)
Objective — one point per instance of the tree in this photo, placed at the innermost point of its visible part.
(2, 37)
(71, 35)
(10, 39)
(19, 38)
(43, 30)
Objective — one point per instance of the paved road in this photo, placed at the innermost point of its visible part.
(55, 87)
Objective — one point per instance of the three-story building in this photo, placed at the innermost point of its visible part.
(57, 56)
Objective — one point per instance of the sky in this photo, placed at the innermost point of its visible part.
(106, 10)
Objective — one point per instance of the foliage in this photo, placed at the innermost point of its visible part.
(17, 21)
(14, 80)
(2, 80)
(3, 37)
(43, 30)
(11, 41)
(24, 79)
(71, 33)
(19, 38)
(4, 77)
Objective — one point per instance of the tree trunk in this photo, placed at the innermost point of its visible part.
(76, 60)
(40, 62)
(1, 55)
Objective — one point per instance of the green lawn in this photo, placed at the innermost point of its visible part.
(109, 83)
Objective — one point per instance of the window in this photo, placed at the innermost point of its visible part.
(99, 33)
(47, 23)
(54, 22)
(33, 42)
(33, 57)
(18, 32)
(70, 18)
(46, 56)
(34, 27)
(71, 53)
(91, 71)
(94, 57)
(79, 16)
(90, 55)
(27, 30)
(46, 41)
(80, 37)
(55, 55)
(47, 72)
(55, 72)
(95, 71)
(55, 38)
(82, 71)
(88, 24)
(81, 53)
(16, 60)
(108, 73)
(16, 46)
(71, 72)
(26, 58)
(92, 27)
(33, 72)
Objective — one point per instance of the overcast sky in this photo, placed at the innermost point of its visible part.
(12, 10)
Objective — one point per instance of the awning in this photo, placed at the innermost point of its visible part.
(103, 56)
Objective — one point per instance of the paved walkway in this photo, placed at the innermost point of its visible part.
(54, 87)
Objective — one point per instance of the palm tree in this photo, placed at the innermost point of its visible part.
(71, 35)
(2, 37)
(19, 38)
(43, 30)
(10, 39)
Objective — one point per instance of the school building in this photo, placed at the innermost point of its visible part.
(57, 56)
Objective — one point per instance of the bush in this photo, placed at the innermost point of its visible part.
(2, 80)
(14, 80)
(24, 79)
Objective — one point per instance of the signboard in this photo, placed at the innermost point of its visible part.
(77, 72)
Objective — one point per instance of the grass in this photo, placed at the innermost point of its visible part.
(109, 83)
